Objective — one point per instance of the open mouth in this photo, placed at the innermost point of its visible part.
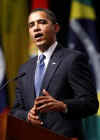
(38, 35)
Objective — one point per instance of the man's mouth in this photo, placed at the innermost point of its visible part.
(38, 35)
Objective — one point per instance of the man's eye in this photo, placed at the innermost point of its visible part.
(43, 22)
(31, 25)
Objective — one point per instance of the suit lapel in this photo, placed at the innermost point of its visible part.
(30, 80)
(52, 67)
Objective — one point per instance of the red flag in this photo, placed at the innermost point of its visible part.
(40, 4)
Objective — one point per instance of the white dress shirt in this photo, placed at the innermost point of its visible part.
(48, 53)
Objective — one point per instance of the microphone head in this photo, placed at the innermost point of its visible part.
(20, 75)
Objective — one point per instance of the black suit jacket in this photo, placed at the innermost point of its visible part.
(68, 79)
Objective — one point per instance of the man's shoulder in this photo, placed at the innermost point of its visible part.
(72, 56)
(27, 65)
(67, 52)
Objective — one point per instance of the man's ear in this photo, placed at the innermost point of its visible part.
(57, 27)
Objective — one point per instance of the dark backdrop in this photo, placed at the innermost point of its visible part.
(61, 8)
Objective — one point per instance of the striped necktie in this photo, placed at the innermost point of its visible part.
(39, 74)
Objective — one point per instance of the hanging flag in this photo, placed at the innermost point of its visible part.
(82, 36)
(3, 96)
(13, 23)
(37, 4)
(40, 4)
(3, 92)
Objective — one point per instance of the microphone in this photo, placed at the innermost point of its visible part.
(14, 79)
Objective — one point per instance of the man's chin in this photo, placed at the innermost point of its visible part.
(42, 46)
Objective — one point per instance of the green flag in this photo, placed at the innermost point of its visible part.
(82, 36)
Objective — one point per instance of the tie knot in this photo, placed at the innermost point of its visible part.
(41, 58)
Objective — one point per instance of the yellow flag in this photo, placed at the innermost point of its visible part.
(13, 20)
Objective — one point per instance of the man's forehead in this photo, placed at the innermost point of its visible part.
(35, 16)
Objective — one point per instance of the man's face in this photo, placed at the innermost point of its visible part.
(42, 30)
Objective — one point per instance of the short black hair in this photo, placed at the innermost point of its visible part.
(49, 13)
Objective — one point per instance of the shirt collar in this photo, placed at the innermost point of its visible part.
(48, 52)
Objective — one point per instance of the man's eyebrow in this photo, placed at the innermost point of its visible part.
(41, 19)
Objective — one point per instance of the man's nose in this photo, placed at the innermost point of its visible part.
(36, 27)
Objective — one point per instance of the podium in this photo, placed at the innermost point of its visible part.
(3, 122)
(21, 130)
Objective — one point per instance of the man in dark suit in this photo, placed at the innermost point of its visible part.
(67, 93)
